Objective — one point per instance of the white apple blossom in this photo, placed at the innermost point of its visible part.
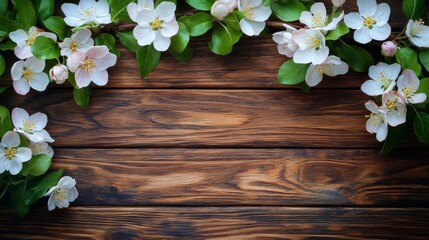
(286, 45)
(371, 22)
(91, 65)
(134, 8)
(62, 194)
(338, 3)
(318, 19)
(59, 73)
(376, 121)
(222, 8)
(255, 16)
(408, 84)
(418, 33)
(383, 79)
(312, 46)
(11, 155)
(395, 108)
(25, 40)
(79, 41)
(41, 148)
(332, 67)
(86, 12)
(32, 127)
(156, 26)
(29, 73)
(388, 49)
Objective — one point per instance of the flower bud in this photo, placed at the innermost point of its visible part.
(59, 73)
(388, 49)
(221, 8)
(338, 3)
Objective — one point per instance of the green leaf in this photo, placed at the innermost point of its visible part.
(223, 39)
(288, 10)
(56, 25)
(413, 9)
(160, 1)
(118, 10)
(292, 73)
(199, 23)
(108, 40)
(2, 64)
(338, 32)
(25, 13)
(394, 137)
(147, 58)
(267, 3)
(2, 89)
(233, 20)
(180, 40)
(423, 88)
(44, 8)
(45, 48)
(421, 127)
(7, 25)
(128, 40)
(407, 57)
(7, 45)
(81, 96)
(3, 6)
(37, 166)
(5, 121)
(424, 58)
(358, 58)
(183, 56)
(204, 5)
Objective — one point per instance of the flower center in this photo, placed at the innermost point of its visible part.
(385, 82)
(416, 27)
(408, 92)
(32, 36)
(369, 22)
(61, 195)
(249, 12)
(391, 105)
(27, 74)
(28, 126)
(9, 153)
(88, 11)
(157, 24)
(73, 46)
(318, 20)
(314, 42)
(88, 64)
(37, 148)
(375, 118)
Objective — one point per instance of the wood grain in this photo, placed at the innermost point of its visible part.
(292, 177)
(205, 118)
(218, 223)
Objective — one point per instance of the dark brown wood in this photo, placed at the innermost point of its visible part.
(218, 223)
(295, 177)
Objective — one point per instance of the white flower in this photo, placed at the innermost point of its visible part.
(79, 41)
(371, 21)
(222, 8)
(376, 122)
(29, 73)
(318, 19)
(338, 3)
(87, 12)
(418, 33)
(408, 84)
(332, 67)
(394, 107)
(286, 45)
(63, 194)
(383, 79)
(156, 26)
(32, 127)
(388, 49)
(91, 65)
(134, 8)
(312, 46)
(255, 16)
(59, 73)
(41, 148)
(25, 40)
(12, 156)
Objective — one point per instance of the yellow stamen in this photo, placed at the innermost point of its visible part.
(249, 12)
(369, 22)
(416, 27)
(27, 74)
(408, 91)
(88, 64)
(391, 105)
(157, 24)
(73, 46)
(28, 126)
(60, 195)
(318, 20)
(9, 153)
(314, 41)
(385, 82)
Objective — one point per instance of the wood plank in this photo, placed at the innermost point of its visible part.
(218, 223)
(293, 177)
(202, 118)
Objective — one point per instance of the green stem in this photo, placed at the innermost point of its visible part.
(4, 191)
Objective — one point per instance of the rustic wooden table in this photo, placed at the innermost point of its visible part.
(215, 148)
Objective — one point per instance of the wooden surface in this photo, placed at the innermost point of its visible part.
(215, 148)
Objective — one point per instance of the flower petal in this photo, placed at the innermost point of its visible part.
(10, 139)
(21, 87)
(16, 70)
(15, 167)
(23, 52)
(313, 76)
(380, 33)
(40, 120)
(144, 36)
(170, 29)
(23, 154)
(19, 115)
(382, 133)
(66, 183)
(362, 35)
(39, 82)
(36, 65)
(51, 202)
(353, 20)
(97, 52)
(382, 14)
(161, 43)
(105, 62)
(81, 36)
(367, 8)
(166, 11)
(72, 194)
(19, 37)
(83, 78)
(371, 88)
(418, 98)
(100, 78)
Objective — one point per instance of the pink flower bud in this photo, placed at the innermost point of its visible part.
(221, 8)
(388, 49)
(338, 3)
(59, 73)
